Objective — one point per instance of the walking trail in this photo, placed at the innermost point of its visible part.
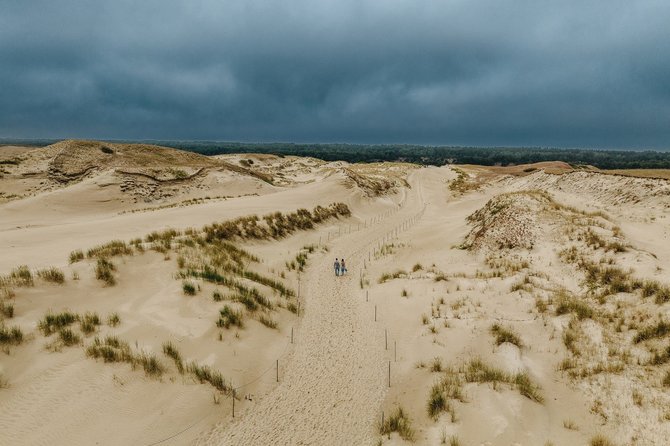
(332, 389)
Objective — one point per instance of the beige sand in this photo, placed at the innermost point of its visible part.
(456, 281)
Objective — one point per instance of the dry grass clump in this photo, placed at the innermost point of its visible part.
(505, 334)
(52, 274)
(113, 320)
(462, 183)
(171, 351)
(666, 379)
(267, 321)
(54, 322)
(600, 440)
(229, 317)
(10, 336)
(566, 304)
(480, 372)
(654, 288)
(111, 249)
(22, 276)
(104, 271)
(6, 310)
(111, 349)
(449, 387)
(68, 337)
(76, 256)
(204, 373)
(275, 225)
(189, 288)
(88, 322)
(398, 422)
(390, 276)
(659, 330)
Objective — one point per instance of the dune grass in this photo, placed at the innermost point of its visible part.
(188, 288)
(504, 334)
(267, 321)
(398, 421)
(204, 374)
(600, 440)
(53, 322)
(68, 337)
(10, 336)
(6, 310)
(171, 351)
(52, 274)
(22, 276)
(110, 249)
(229, 317)
(480, 372)
(659, 330)
(76, 256)
(113, 320)
(89, 322)
(104, 271)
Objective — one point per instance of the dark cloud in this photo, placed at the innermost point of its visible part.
(480, 72)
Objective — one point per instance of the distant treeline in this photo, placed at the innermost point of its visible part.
(488, 156)
(429, 155)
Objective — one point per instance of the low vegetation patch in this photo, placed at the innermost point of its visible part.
(229, 317)
(111, 249)
(480, 372)
(76, 256)
(104, 270)
(399, 422)
(10, 336)
(52, 274)
(659, 330)
(171, 351)
(204, 374)
(22, 276)
(504, 334)
(53, 322)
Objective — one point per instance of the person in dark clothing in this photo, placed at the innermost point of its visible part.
(337, 267)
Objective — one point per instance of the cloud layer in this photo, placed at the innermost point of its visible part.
(475, 72)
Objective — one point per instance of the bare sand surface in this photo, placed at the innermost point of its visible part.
(493, 306)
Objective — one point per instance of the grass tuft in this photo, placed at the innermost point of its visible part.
(398, 422)
(52, 274)
(504, 334)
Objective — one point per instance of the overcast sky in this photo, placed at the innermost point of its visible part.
(575, 73)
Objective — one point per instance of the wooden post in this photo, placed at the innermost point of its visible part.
(375, 313)
(386, 339)
(278, 371)
(233, 403)
(395, 351)
(367, 294)
(389, 373)
(291, 335)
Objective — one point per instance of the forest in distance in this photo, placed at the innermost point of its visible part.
(419, 154)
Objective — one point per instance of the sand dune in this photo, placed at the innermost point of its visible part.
(493, 306)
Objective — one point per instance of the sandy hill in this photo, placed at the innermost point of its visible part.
(521, 305)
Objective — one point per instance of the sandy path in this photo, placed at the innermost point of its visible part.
(335, 382)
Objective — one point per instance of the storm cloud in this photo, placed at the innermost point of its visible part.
(472, 72)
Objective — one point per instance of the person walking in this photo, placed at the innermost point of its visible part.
(343, 268)
(337, 267)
